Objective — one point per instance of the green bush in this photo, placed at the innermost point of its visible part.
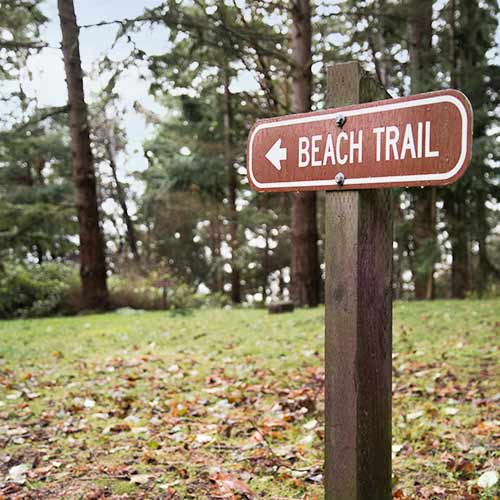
(215, 300)
(34, 290)
(183, 297)
(132, 290)
(143, 292)
(54, 288)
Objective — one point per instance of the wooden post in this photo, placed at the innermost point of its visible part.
(358, 323)
(164, 297)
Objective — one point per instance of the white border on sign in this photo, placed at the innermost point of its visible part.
(364, 111)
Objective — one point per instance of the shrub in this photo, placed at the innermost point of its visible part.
(54, 288)
(215, 300)
(139, 292)
(183, 297)
(131, 290)
(34, 290)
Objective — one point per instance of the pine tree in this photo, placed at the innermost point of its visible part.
(305, 273)
(465, 42)
(92, 257)
(421, 66)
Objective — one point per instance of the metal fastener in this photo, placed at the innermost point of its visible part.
(340, 120)
(339, 179)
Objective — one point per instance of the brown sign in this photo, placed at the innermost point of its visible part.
(421, 140)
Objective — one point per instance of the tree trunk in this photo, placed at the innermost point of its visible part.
(455, 204)
(397, 267)
(305, 272)
(425, 242)
(232, 190)
(216, 240)
(453, 51)
(485, 268)
(122, 200)
(419, 28)
(265, 262)
(92, 257)
(459, 239)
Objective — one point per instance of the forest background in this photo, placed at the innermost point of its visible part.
(139, 183)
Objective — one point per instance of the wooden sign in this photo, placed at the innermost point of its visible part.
(422, 140)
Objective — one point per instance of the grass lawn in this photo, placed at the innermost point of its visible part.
(229, 404)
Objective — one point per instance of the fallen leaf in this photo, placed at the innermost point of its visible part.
(17, 474)
(307, 439)
(228, 484)
(396, 448)
(463, 442)
(140, 478)
(120, 427)
(399, 494)
(488, 479)
(310, 425)
(414, 415)
(204, 438)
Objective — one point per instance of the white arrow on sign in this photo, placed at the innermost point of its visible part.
(276, 154)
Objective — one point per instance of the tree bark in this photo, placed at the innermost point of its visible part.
(216, 240)
(398, 255)
(92, 256)
(424, 240)
(453, 51)
(457, 229)
(265, 263)
(454, 203)
(419, 28)
(485, 269)
(232, 190)
(122, 199)
(305, 272)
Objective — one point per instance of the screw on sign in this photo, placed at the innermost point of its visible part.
(353, 152)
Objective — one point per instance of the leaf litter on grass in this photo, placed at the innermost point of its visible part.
(236, 413)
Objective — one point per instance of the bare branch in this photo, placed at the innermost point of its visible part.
(7, 44)
(37, 119)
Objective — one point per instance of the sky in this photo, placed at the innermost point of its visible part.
(44, 76)
(47, 68)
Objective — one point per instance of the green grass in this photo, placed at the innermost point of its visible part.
(126, 404)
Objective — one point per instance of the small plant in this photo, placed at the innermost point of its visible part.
(34, 290)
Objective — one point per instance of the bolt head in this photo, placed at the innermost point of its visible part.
(340, 120)
(339, 179)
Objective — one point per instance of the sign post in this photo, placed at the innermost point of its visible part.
(352, 152)
(358, 324)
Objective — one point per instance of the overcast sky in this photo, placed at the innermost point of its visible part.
(48, 80)
(49, 85)
(48, 71)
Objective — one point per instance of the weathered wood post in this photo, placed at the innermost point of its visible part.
(355, 153)
(358, 323)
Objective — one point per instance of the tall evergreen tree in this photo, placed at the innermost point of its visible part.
(421, 70)
(465, 42)
(305, 273)
(37, 217)
(92, 257)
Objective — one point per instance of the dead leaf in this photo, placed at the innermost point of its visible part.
(228, 484)
(120, 427)
(140, 478)
(488, 479)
